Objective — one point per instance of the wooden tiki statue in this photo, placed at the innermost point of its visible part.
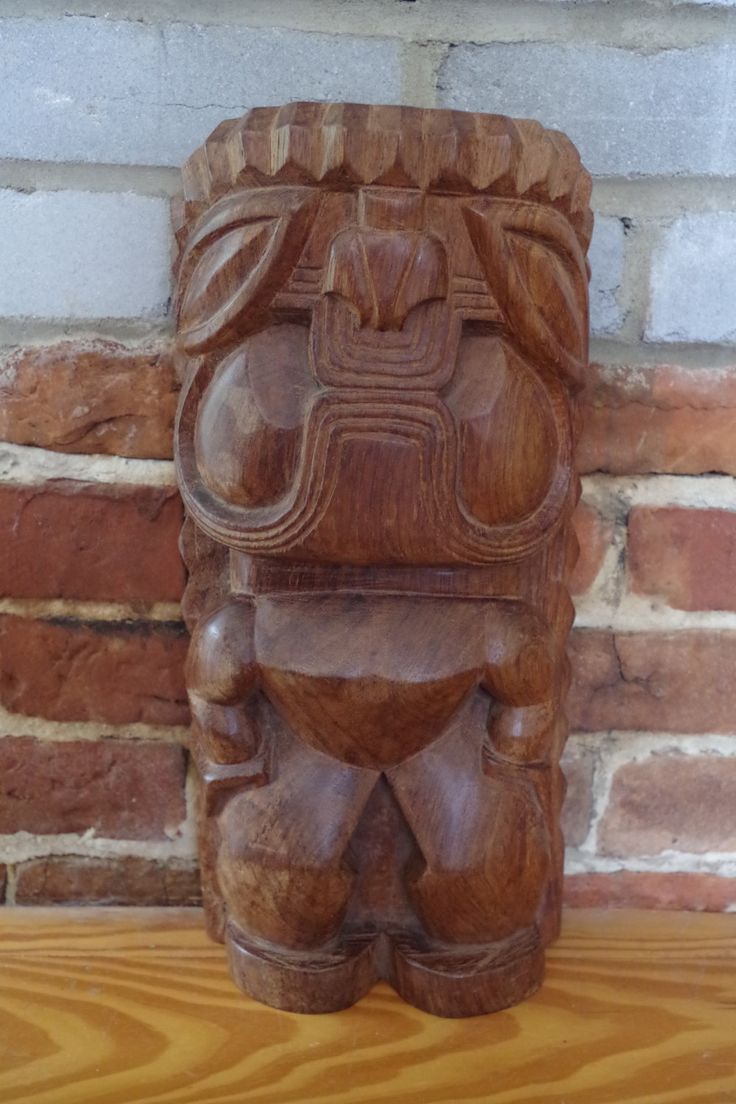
(382, 323)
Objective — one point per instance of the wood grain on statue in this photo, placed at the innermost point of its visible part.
(114, 1006)
(382, 324)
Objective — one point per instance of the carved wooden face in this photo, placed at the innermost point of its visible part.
(383, 374)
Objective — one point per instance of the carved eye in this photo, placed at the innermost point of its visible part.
(239, 255)
(537, 271)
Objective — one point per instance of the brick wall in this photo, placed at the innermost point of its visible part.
(95, 790)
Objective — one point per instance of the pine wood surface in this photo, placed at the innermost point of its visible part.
(120, 1005)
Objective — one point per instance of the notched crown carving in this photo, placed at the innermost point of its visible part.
(346, 146)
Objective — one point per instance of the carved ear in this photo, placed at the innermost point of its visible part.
(537, 272)
(240, 253)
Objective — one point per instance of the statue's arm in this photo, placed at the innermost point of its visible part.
(522, 673)
(222, 680)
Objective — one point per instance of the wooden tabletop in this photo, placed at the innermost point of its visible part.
(100, 1006)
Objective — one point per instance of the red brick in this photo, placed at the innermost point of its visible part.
(667, 682)
(113, 672)
(121, 789)
(632, 889)
(594, 535)
(90, 541)
(686, 556)
(69, 880)
(89, 396)
(660, 419)
(671, 802)
(576, 812)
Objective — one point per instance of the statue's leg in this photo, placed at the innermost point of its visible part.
(481, 830)
(286, 882)
(222, 680)
(527, 674)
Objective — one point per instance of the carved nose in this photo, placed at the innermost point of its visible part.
(384, 274)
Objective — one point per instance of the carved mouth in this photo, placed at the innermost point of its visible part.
(352, 430)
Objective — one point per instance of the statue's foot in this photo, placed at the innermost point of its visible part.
(468, 981)
(449, 981)
(302, 981)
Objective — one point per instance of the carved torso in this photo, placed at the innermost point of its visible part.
(382, 316)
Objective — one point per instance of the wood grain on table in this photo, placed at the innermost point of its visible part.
(115, 1006)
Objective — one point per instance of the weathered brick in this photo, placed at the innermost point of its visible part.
(692, 280)
(686, 556)
(635, 889)
(577, 764)
(120, 789)
(70, 880)
(594, 535)
(89, 397)
(659, 419)
(671, 802)
(84, 255)
(135, 92)
(103, 397)
(668, 682)
(112, 672)
(629, 112)
(90, 541)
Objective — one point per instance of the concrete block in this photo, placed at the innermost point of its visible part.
(83, 255)
(693, 281)
(606, 273)
(92, 89)
(629, 113)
